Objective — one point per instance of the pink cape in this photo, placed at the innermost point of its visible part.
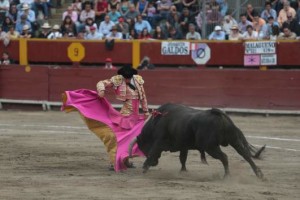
(125, 128)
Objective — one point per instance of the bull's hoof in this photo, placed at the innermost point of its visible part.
(146, 168)
(259, 174)
(204, 161)
(183, 169)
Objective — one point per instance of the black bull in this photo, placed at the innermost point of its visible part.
(181, 128)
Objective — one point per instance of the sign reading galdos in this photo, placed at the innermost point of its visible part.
(175, 48)
(260, 53)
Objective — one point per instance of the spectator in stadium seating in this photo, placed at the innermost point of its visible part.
(68, 27)
(70, 12)
(46, 30)
(189, 4)
(101, 9)
(214, 18)
(25, 32)
(268, 11)
(275, 33)
(292, 24)
(123, 27)
(287, 34)
(114, 14)
(217, 34)
(124, 7)
(108, 64)
(282, 17)
(185, 19)
(257, 23)
(141, 7)
(55, 34)
(12, 34)
(13, 13)
(22, 22)
(151, 12)
(31, 3)
(5, 60)
(2, 33)
(174, 34)
(106, 26)
(173, 17)
(223, 6)
(77, 6)
(250, 34)
(87, 12)
(6, 24)
(234, 33)
(159, 34)
(132, 34)
(144, 35)
(131, 14)
(113, 3)
(163, 9)
(140, 24)
(178, 4)
(44, 6)
(193, 34)
(267, 29)
(28, 12)
(244, 23)
(250, 12)
(228, 22)
(4, 7)
(93, 34)
(81, 36)
(88, 23)
(114, 34)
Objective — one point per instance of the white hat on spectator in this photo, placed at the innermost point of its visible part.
(25, 27)
(46, 25)
(218, 28)
(56, 27)
(25, 7)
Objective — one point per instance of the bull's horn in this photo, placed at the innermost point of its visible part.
(134, 140)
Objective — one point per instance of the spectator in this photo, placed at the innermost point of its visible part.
(71, 13)
(55, 34)
(12, 34)
(282, 17)
(268, 12)
(123, 27)
(45, 30)
(4, 7)
(13, 13)
(87, 12)
(287, 34)
(101, 9)
(81, 36)
(244, 23)
(77, 6)
(193, 34)
(144, 35)
(93, 34)
(131, 14)
(173, 17)
(159, 34)
(275, 33)
(108, 64)
(178, 4)
(250, 34)
(151, 12)
(174, 34)
(106, 26)
(5, 60)
(113, 3)
(141, 24)
(163, 8)
(257, 23)
(141, 7)
(114, 34)
(228, 22)
(22, 22)
(132, 34)
(185, 19)
(26, 32)
(223, 6)
(114, 14)
(2, 33)
(292, 24)
(44, 6)
(235, 34)
(217, 34)
(250, 12)
(124, 7)
(267, 29)
(214, 18)
(31, 4)
(68, 27)
(88, 23)
(6, 24)
(28, 12)
(146, 64)
(189, 4)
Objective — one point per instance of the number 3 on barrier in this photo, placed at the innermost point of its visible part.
(76, 52)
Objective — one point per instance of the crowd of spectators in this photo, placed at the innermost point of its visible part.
(151, 19)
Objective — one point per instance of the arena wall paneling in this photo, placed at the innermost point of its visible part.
(12, 49)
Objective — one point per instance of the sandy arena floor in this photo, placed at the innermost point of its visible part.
(52, 155)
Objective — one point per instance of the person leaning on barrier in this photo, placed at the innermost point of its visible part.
(287, 34)
(250, 34)
(235, 34)
(217, 34)
(193, 34)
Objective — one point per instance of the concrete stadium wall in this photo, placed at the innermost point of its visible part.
(252, 89)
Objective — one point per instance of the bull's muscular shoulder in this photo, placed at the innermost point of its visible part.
(139, 79)
(117, 80)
